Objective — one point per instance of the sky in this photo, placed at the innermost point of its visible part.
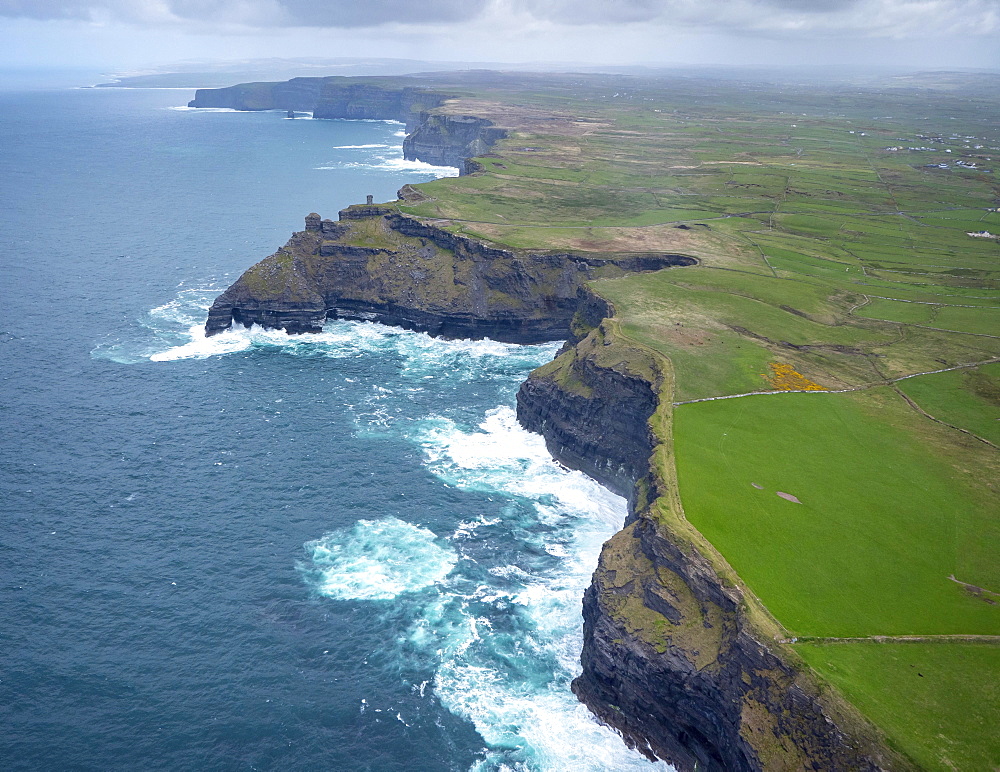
(129, 35)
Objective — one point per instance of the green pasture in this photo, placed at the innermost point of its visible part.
(895, 311)
(969, 399)
(939, 703)
(980, 321)
(721, 328)
(870, 548)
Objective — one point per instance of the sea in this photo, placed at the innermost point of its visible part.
(260, 551)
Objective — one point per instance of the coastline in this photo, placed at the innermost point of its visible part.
(714, 700)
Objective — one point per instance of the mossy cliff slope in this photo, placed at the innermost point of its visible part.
(675, 655)
(377, 264)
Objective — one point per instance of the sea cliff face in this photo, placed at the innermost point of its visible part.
(671, 657)
(380, 265)
(448, 140)
(437, 138)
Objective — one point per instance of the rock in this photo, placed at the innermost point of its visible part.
(448, 140)
(594, 418)
(363, 267)
(671, 657)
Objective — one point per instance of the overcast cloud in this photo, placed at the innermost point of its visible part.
(909, 32)
(870, 16)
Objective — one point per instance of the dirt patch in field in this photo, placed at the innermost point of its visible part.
(680, 334)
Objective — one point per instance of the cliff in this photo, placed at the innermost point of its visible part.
(377, 264)
(448, 140)
(676, 656)
(434, 137)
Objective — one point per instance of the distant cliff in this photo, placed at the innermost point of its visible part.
(434, 137)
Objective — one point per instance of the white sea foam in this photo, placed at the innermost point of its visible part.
(516, 690)
(402, 165)
(358, 147)
(377, 560)
(201, 347)
(393, 163)
(178, 332)
(186, 108)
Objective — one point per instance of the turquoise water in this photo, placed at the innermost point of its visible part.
(260, 551)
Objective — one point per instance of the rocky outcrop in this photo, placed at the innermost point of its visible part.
(448, 140)
(671, 661)
(676, 657)
(377, 264)
(295, 94)
(594, 414)
(362, 100)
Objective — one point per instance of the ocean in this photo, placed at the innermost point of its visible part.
(260, 551)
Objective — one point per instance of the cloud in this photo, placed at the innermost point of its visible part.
(886, 18)
(32, 9)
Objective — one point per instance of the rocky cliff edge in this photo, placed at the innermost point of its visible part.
(377, 264)
(678, 656)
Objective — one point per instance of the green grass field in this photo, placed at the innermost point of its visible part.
(969, 399)
(900, 688)
(870, 548)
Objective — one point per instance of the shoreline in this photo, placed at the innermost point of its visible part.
(628, 664)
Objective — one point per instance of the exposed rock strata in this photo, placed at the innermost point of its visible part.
(448, 140)
(379, 265)
(594, 417)
(671, 657)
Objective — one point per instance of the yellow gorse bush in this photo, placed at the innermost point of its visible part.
(783, 377)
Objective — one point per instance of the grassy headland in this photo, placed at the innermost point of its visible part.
(833, 228)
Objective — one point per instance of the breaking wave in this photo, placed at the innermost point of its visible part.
(489, 605)
(377, 560)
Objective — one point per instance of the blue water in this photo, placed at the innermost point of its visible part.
(260, 551)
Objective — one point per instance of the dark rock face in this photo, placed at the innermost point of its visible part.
(330, 97)
(295, 94)
(448, 140)
(336, 100)
(670, 662)
(601, 427)
(670, 657)
(379, 265)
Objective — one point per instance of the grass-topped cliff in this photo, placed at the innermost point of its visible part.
(843, 490)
